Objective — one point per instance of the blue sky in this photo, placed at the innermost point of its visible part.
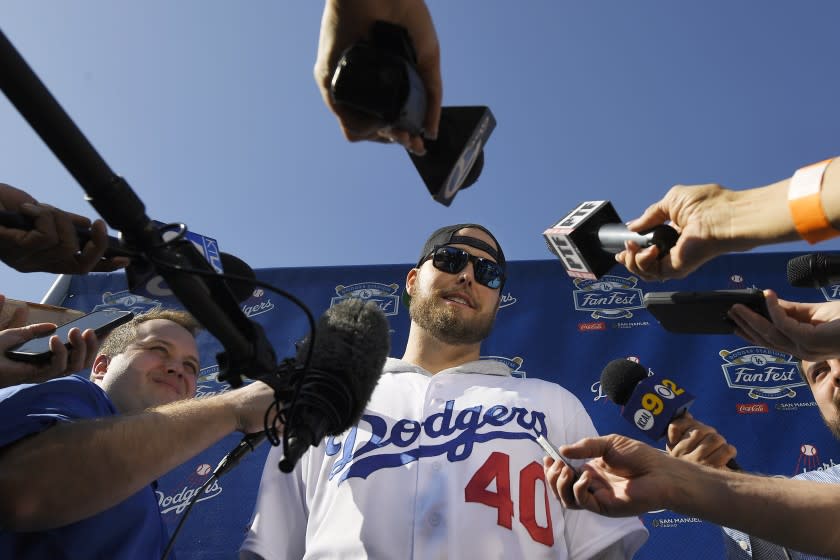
(209, 110)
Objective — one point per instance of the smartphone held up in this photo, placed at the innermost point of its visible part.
(37, 350)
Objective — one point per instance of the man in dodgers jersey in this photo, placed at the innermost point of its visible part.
(444, 462)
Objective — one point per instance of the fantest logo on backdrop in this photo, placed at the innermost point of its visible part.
(515, 364)
(763, 373)
(831, 293)
(127, 301)
(610, 297)
(385, 295)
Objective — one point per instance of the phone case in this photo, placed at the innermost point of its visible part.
(702, 312)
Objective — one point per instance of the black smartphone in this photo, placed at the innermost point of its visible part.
(38, 349)
(702, 312)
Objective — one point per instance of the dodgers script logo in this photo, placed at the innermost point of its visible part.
(127, 301)
(513, 363)
(506, 300)
(385, 295)
(610, 297)
(179, 499)
(764, 373)
(451, 433)
(261, 305)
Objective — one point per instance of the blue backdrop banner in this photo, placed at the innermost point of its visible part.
(548, 327)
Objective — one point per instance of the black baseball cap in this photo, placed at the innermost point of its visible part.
(447, 235)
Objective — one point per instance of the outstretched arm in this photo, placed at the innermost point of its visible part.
(627, 477)
(73, 470)
(713, 220)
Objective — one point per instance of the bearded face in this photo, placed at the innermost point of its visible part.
(456, 314)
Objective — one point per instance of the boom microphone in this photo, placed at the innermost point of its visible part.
(813, 270)
(587, 239)
(351, 345)
(650, 403)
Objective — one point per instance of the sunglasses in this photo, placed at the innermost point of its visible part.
(453, 260)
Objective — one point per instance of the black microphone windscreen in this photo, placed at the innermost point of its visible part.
(352, 342)
(620, 377)
(235, 266)
(804, 271)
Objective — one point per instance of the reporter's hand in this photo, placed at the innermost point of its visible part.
(53, 245)
(346, 21)
(693, 441)
(624, 476)
(80, 356)
(810, 331)
(700, 214)
(250, 405)
(16, 318)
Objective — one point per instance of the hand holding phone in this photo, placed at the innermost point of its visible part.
(702, 312)
(552, 452)
(37, 350)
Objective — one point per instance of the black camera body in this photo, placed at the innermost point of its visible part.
(378, 77)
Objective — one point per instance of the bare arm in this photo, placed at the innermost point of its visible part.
(627, 477)
(713, 220)
(77, 469)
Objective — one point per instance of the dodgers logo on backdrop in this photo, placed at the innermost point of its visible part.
(178, 500)
(763, 372)
(385, 295)
(386, 443)
(506, 300)
(513, 363)
(208, 383)
(610, 297)
(127, 301)
(261, 305)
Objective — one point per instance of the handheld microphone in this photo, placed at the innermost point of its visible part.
(650, 403)
(379, 78)
(587, 239)
(15, 220)
(351, 344)
(813, 270)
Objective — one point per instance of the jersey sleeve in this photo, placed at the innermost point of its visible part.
(279, 523)
(31, 408)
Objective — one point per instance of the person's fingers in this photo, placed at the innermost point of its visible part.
(94, 249)
(76, 357)
(91, 342)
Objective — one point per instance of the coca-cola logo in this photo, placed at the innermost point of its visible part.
(752, 408)
(596, 326)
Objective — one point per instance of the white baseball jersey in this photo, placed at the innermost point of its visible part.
(440, 466)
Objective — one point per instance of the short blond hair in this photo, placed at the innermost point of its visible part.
(118, 340)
